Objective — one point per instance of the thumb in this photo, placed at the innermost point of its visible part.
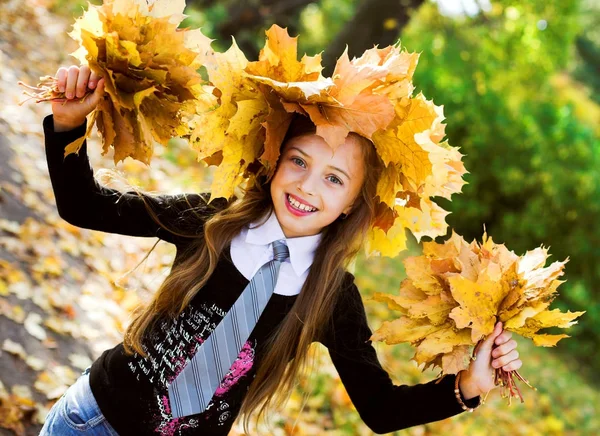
(486, 345)
(95, 98)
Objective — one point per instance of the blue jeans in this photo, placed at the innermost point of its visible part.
(77, 413)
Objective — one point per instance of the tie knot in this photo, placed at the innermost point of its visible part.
(280, 250)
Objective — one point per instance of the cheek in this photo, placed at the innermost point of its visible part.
(279, 184)
(345, 199)
(334, 200)
(277, 177)
(283, 176)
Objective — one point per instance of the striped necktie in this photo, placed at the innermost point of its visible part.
(193, 388)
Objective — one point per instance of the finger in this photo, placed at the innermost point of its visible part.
(512, 366)
(483, 348)
(82, 81)
(93, 80)
(61, 77)
(101, 84)
(503, 337)
(504, 348)
(95, 98)
(73, 72)
(506, 359)
(489, 340)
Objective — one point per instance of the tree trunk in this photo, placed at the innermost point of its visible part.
(247, 16)
(376, 22)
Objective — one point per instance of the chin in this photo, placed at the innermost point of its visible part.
(292, 226)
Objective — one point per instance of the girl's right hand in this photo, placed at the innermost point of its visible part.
(75, 82)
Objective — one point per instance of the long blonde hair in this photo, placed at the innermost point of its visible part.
(286, 349)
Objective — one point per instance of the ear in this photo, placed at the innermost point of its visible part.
(348, 208)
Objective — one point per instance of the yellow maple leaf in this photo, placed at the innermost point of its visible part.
(450, 249)
(389, 243)
(418, 269)
(519, 319)
(457, 360)
(397, 143)
(403, 329)
(278, 60)
(441, 341)
(427, 220)
(389, 184)
(548, 340)
(479, 303)
(400, 68)
(434, 307)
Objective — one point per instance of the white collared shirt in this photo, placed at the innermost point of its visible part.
(252, 248)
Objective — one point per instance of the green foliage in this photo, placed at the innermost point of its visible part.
(208, 19)
(71, 8)
(588, 49)
(533, 163)
(320, 22)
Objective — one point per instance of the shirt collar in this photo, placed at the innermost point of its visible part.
(301, 249)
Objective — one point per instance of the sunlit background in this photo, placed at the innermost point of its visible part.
(519, 82)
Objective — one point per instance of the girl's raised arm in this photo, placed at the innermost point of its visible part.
(83, 202)
(382, 405)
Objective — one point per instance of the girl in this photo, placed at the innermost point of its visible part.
(319, 206)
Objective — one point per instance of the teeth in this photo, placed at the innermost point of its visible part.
(299, 205)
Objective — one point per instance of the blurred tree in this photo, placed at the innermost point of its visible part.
(244, 19)
(368, 23)
(587, 66)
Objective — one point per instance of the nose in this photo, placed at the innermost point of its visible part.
(307, 184)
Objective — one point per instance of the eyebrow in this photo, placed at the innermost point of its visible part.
(330, 166)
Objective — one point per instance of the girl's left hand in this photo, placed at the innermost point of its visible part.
(478, 379)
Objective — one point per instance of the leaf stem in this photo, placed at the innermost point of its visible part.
(506, 379)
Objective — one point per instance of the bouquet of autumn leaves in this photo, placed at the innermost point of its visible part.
(151, 74)
(455, 293)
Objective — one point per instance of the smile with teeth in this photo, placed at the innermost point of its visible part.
(297, 205)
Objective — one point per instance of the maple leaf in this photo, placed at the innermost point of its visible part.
(443, 341)
(397, 143)
(404, 329)
(479, 303)
(389, 184)
(399, 67)
(350, 105)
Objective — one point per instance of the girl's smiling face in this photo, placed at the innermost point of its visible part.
(313, 184)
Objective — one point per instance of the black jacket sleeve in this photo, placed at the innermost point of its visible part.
(383, 406)
(83, 202)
